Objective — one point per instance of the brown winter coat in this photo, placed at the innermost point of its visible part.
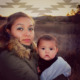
(18, 62)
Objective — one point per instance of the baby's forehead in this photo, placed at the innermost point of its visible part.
(47, 42)
(43, 40)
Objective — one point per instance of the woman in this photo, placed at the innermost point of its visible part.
(18, 58)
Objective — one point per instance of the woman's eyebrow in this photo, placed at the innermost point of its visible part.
(19, 24)
(23, 24)
(31, 25)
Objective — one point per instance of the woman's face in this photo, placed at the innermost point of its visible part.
(23, 30)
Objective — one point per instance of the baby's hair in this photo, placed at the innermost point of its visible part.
(47, 37)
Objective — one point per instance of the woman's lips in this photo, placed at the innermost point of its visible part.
(26, 40)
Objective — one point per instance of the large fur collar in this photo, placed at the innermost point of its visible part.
(21, 51)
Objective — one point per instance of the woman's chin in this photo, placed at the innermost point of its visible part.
(27, 44)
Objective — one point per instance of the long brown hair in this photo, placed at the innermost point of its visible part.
(4, 35)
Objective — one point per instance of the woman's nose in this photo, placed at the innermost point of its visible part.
(27, 33)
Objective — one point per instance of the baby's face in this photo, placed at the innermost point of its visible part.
(47, 49)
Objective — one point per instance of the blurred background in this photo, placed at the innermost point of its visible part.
(60, 18)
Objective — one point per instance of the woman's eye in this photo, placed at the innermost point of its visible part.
(51, 48)
(20, 28)
(30, 29)
(43, 48)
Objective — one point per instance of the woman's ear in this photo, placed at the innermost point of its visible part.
(8, 31)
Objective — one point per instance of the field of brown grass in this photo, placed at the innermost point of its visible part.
(67, 32)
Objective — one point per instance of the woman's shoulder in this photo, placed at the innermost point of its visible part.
(5, 54)
(9, 58)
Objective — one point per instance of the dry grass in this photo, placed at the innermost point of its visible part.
(68, 35)
(74, 60)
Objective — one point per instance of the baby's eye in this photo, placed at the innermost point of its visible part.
(30, 29)
(51, 48)
(20, 28)
(43, 48)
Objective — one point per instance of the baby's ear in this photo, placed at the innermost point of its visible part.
(37, 50)
(57, 49)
